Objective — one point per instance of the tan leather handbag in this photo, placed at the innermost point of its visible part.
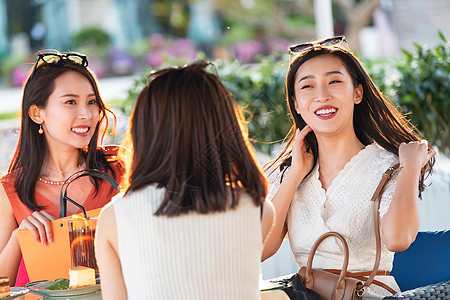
(345, 285)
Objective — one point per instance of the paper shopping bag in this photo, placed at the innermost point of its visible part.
(52, 261)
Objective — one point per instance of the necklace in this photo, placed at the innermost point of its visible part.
(52, 182)
(57, 182)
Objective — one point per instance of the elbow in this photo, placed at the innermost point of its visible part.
(12, 281)
(397, 246)
(398, 238)
(398, 243)
(266, 253)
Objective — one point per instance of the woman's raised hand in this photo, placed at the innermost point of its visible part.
(39, 225)
(415, 154)
(302, 157)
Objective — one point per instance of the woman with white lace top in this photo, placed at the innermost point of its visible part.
(345, 136)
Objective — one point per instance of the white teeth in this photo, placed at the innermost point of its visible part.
(326, 111)
(80, 130)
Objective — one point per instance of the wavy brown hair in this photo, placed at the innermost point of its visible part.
(32, 147)
(186, 136)
(375, 119)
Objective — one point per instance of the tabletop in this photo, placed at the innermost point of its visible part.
(31, 296)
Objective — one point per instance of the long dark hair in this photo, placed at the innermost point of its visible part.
(32, 147)
(187, 137)
(375, 119)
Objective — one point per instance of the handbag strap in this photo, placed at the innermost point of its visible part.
(376, 220)
(339, 290)
(63, 198)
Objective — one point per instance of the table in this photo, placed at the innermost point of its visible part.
(31, 296)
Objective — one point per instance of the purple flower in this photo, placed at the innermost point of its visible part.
(122, 62)
(157, 40)
(98, 67)
(245, 51)
(154, 58)
(182, 49)
(274, 46)
(19, 75)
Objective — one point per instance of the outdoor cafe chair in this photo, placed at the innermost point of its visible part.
(423, 270)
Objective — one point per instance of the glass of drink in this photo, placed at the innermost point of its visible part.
(81, 237)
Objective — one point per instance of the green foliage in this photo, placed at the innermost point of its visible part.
(139, 83)
(423, 87)
(258, 89)
(127, 106)
(93, 37)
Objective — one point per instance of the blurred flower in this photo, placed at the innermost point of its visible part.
(121, 62)
(157, 40)
(246, 51)
(98, 67)
(278, 45)
(154, 58)
(182, 49)
(19, 74)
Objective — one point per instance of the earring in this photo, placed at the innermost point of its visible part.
(41, 130)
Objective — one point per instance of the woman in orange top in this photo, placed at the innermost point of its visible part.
(62, 119)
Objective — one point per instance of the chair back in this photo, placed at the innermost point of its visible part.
(425, 262)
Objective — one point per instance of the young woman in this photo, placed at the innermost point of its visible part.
(346, 136)
(63, 118)
(189, 225)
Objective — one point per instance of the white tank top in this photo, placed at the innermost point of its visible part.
(193, 256)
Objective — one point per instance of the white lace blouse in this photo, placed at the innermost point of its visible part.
(345, 207)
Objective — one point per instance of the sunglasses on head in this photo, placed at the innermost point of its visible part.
(59, 59)
(337, 41)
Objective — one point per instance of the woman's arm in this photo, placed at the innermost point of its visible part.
(10, 254)
(302, 161)
(267, 220)
(106, 252)
(400, 224)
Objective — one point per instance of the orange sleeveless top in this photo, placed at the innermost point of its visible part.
(93, 201)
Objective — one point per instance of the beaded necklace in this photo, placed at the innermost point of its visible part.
(57, 182)
(52, 182)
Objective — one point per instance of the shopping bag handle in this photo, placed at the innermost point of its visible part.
(63, 198)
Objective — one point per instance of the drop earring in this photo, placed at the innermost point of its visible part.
(41, 130)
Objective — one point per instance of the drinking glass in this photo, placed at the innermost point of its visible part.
(81, 237)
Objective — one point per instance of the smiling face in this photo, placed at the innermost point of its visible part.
(71, 114)
(325, 95)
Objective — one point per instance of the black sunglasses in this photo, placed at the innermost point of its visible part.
(59, 59)
(338, 41)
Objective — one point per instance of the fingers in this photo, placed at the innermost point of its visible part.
(39, 225)
(47, 224)
(430, 154)
(304, 132)
(300, 135)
